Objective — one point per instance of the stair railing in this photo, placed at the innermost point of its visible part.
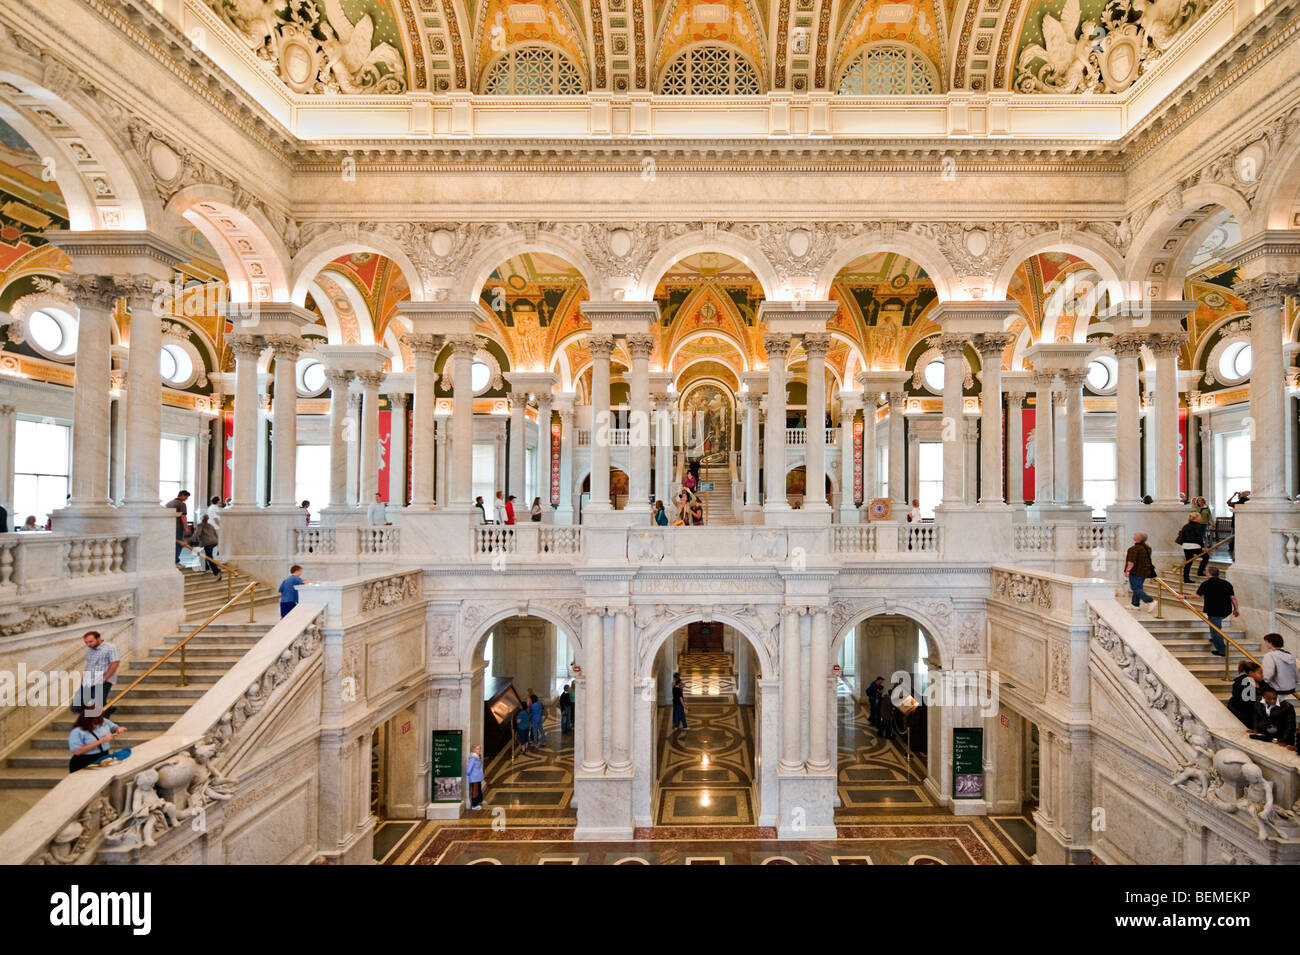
(1161, 587)
(227, 570)
(181, 647)
(1179, 568)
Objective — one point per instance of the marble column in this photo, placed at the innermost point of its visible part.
(640, 345)
(518, 402)
(971, 461)
(143, 394)
(397, 402)
(870, 483)
(544, 455)
(815, 346)
(1128, 445)
(94, 296)
(1073, 380)
(848, 510)
(369, 483)
(791, 757)
(8, 428)
(461, 472)
(1044, 468)
(352, 492)
(601, 347)
(1015, 449)
(953, 348)
(990, 348)
(897, 456)
(620, 748)
(284, 439)
(424, 437)
(819, 760)
(664, 448)
(593, 730)
(339, 382)
(1266, 298)
(1166, 348)
(248, 405)
(441, 425)
(564, 510)
(264, 440)
(749, 402)
(117, 444)
(777, 347)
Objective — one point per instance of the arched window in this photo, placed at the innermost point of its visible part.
(533, 71)
(710, 70)
(889, 69)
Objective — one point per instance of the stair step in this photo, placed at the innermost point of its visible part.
(32, 777)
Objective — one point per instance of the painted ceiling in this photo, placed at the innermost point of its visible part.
(397, 46)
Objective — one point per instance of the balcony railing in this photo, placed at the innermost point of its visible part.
(30, 557)
(617, 437)
(798, 437)
(526, 541)
(346, 540)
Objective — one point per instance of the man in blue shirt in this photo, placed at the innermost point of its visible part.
(536, 713)
(289, 590)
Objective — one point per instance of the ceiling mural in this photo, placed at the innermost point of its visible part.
(883, 300)
(30, 203)
(732, 22)
(379, 281)
(875, 21)
(503, 24)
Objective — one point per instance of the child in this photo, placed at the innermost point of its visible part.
(289, 590)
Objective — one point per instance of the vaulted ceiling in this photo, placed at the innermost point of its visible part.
(395, 46)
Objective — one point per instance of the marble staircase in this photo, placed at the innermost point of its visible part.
(1186, 636)
(717, 502)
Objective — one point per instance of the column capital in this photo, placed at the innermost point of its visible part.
(136, 287)
(1073, 378)
(896, 400)
(398, 400)
(1015, 399)
(816, 344)
(1169, 344)
(600, 345)
(517, 400)
(1265, 291)
(640, 345)
(371, 379)
(287, 347)
(992, 344)
(422, 345)
(247, 346)
(463, 346)
(1044, 379)
(952, 346)
(777, 345)
(91, 291)
(1128, 345)
(748, 399)
(339, 378)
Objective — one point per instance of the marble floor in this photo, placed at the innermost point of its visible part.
(704, 812)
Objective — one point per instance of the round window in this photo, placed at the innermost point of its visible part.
(1235, 362)
(933, 375)
(175, 364)
(53, 334)
(480, 376)
(311, 377)
(1101, 374)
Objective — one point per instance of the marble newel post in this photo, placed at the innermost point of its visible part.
(94, 296)
(815, 346)
(339, 381)
(777, 347)
(953, 348)
(143, 395)
(601, 347)
(640, 345)
(284, 422)
(990, 348)
(248, 350)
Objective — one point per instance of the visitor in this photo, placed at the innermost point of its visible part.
(206, 537)
(566, 713)
(89, 740)
(4, 520)
(1274, 719)
(478, 502)
(697, 513)
(915, 513)
(536, 716)
(679, 704)
(1207, 517)
(102, 662)
(1192, 538)
(289, 589)
(1279, 666)
(214, 514)
(695, 470)
(510, 508)
(30, 524)
(305, 507)
(1241, 497)
(874, 691)
(536, 510)
(1148, 499)
(474, 773)
(376, 512)
(178, 505)
(1220, 600)
(660, 514)
(689, 483)
(522, 724)
(500, 508)
(1139, 568)
(1245, 692)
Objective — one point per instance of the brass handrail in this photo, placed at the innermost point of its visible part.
(181, 647)
(1227, 639)
(1178, 568)
(228, 569)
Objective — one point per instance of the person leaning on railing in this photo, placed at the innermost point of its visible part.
(1192, 538)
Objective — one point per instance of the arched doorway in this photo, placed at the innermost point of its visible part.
(515, 658)
(618, 489)
(722, 769)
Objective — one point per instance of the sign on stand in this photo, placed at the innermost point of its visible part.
(968, 763)
(448, 777)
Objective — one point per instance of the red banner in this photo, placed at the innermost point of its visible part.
(1027, 453)
(385, 447)
(857, 458)
(555, 463)
(1182, 452)
(228, 456)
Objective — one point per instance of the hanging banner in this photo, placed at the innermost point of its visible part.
(556, 435)
(385, 446)
(448, 776)
(1182, 453)
(858, 428)
(228, 454)
(968, 763)
(1027, 452)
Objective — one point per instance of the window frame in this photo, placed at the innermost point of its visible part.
(913, 56)
(736, 59)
